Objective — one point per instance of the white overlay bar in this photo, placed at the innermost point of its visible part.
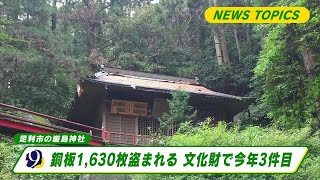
(160, 159)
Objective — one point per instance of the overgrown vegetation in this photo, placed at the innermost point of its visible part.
(179, 111)
(288, 71)
(205, 135)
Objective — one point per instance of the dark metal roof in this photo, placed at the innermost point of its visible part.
(160, 85)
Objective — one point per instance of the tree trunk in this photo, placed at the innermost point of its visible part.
(65, 23)
(237, 42)
(217, 44)
(220, 38)
(54, 16)
(224, 46)
(90, 39)
(308, 60)
(215, 2)
(90, 26)
(310, 65)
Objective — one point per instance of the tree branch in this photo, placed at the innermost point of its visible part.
(86, 2)
(103, 8)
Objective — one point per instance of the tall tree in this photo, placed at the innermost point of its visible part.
(222, 52)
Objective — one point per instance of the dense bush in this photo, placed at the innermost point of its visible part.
(204, 135)
(179, 110)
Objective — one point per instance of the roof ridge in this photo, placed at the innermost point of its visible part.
(152, 79)
(149, 75)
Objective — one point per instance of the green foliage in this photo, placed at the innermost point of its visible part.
(3, 35)
(290, 93)
(179, 110)
(167, 38)
(250, 136)
(42, 87)
(220, 135)
(39, 71)
(170, 38)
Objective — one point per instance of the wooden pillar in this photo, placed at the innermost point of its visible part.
(136, 127)
(106, 107)
(103, 116)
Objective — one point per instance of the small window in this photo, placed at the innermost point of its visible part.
(148, 126)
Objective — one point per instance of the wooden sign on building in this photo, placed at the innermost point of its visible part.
(132, 108)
